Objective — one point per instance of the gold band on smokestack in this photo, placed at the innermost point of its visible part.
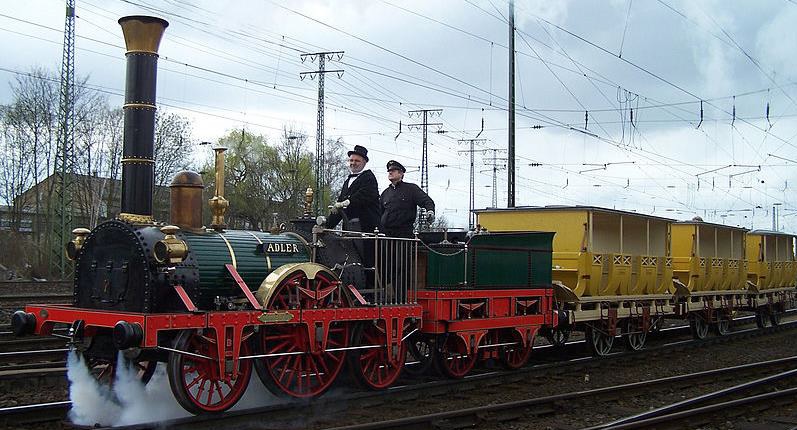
(142, 37)
(218, 204)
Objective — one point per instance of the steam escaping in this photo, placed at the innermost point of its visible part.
(144, 403)
(91, 402)
(128, 402)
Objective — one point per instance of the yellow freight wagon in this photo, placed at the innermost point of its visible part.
(771, 260)
(611, 269)
(709, 257)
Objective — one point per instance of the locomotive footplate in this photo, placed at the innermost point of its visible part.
(229, 326)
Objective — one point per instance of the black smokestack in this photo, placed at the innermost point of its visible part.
(142, 37)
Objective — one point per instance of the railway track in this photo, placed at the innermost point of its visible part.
(350, 408)
(495, 415)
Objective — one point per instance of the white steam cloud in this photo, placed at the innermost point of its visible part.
(132, 402)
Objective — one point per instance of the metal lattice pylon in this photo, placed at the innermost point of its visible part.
(425, 114)
(319, 132)
(61, 203)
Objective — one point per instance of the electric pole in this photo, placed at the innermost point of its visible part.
(472, 191)
(425, 114)
(319, 133)
(510, 201)
(62, 203)
(497, 164)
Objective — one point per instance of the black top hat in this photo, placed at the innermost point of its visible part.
(393, 164)
(359, 150)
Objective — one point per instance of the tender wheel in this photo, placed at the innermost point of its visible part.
(453, 359)
(723, 324)
(559, 335)
(600, 342)
(196, 381)
(514, 356)
(698, 326)
(373, 368)
(635, 337)
(421, 353)
(292, 370)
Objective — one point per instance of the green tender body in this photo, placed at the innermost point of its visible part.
(211, 253)
(494, 261)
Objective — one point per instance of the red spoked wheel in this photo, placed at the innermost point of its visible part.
(104, 369)
(291, 369)
(373, 368)
(101, 359)
(453, 359)
(196, 380)
(516, 355)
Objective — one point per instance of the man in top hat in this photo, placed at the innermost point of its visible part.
(359, 197)
(399, 203)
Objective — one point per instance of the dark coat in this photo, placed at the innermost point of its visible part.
(399, 204)
(363, 196)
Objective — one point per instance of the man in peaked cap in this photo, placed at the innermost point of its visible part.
(399, 203)
(359, 197)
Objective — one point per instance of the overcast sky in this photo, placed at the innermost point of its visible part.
(235, 64)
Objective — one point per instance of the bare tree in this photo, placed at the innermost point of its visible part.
(173, 147)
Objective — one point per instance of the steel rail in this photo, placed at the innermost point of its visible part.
(664, 410)
(716, 407)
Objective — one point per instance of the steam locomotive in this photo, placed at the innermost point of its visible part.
(297, 306)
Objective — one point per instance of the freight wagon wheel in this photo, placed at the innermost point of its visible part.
(421, 354)
(723, 325)
(559, 335)
(453, 359)
(292, 370)
(762, 318)
(196, 381)
(698, 326)
(373, 368)
(514, 356)
(635, 336)
(775, 317)
(600, 342)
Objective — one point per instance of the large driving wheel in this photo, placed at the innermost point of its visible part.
(291, 369)
(698, 326)
(516, 355)
(453, 359)
(375, 368)
(195, 378)
(599, 340)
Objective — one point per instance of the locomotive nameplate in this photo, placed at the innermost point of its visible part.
(278, 248)
(275, 317)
